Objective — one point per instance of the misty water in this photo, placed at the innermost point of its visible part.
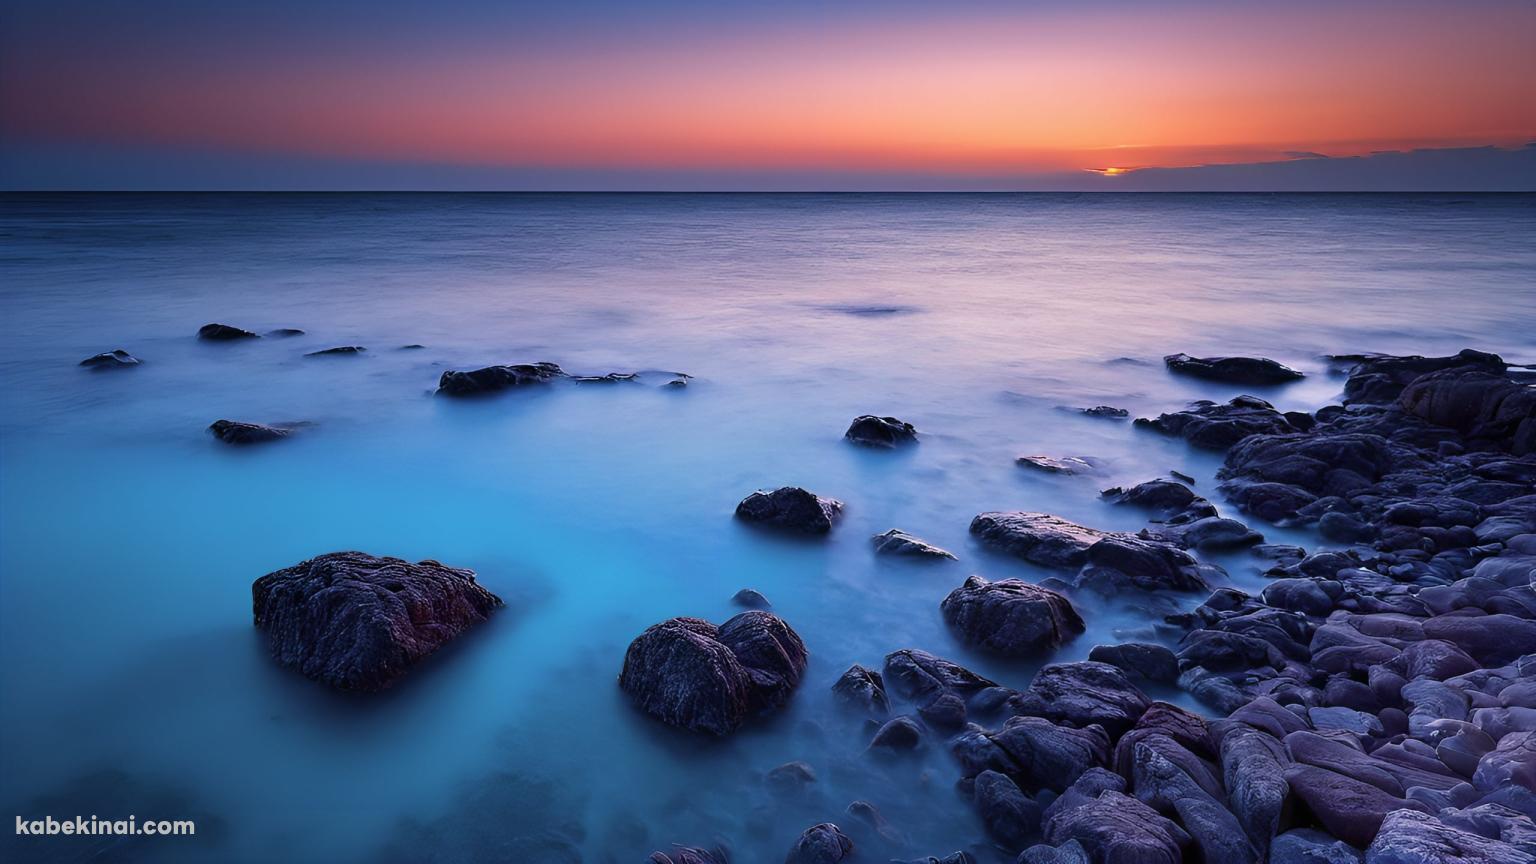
(133, 682)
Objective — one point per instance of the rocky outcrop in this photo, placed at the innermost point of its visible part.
(872, 431)
(359, 622)
(1213, 426)
(791, 509)
(897, 542)
(237, 432)
(1232, 370)
(1011, 617)
(691, 674)
(223, 333)
(116, 359)
(494, 379)
(1060, 464)
(1037, 537)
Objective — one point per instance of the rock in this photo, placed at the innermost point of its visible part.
(899, 734)
(897, 542)
(1118, 562)
(1139, 660)
(1308, 846)
(116, 359)
(1038, 754)
(872, 431)
(1349, 809)
(1163, 497)
(1253, 765)
(1115, 828)
(1106, 411)
(1409, 837)
(223, 333)
(1060, 464)
(1009, 815)
(790, 508)
(1010, 616)
(750, 599)
(1483, 406)
(493, 379)
(690, 855)
(1232, 370)
(236, 432)
(339, 351)
(1081, 694)
(1215, 830)
(1343, 528)
(1210, 426)
(1037, 537)
(820, 844)
(790, 779)
(689, 673)
(607, 378)
(1070, 852)
(359, 622)
(1492, 639)
(1379, 378)
(1513, 761)
(286, 332)
(863, 688)
(930, 681)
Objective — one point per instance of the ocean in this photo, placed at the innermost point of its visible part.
(132, 681)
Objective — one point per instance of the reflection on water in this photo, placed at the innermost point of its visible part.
(130, 538)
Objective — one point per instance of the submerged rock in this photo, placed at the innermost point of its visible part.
(1011, 616)
(223, 333)
(863, 688)
(493, 379)
(1232, 370)
(359, 622)
(790, 508)
(873, 431)
(339, 351)
(820, 844)
(1060, 464)
(689, 673)
(1037, 537)
(607, 378)
(237, 432)
(898, 542)
(116, 359)
(750, 599)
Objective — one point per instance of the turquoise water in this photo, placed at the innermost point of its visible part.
(131, 678)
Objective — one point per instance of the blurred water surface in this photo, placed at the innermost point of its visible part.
(130, 675)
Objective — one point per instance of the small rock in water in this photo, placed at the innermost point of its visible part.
(791, 778)
(1037, 537)
(285, 332)
(863, 689)
(492, 379)
(1105, 411)
(790, 508)
(1060, 465)
(340, 350)
(1011, 616)
(873, 431)
(116, 359)
(223, 333)
(609, 378)
(236, 432)
(691, 674)
(690, 855)
(1182, 477)
(898, 735)
(1232, 370)
(820, 844)
(676, 384)
(897, 542)
(411, 347)
(750, 599)
(359, 622)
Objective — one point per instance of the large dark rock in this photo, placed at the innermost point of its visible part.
(1139, 660)
(1213, 426)
(1037, 537)
(1232, 370)
(1083, 693)
(1039, 754)
(1164, 785)
(1409, 837)
(494, 379)
(1483, 406)
(1010, 816)
(1253, 770)
(942, 690)
(820, 844)
(1115, 828)
(897, 542)
(863, 688)
(359, 622)
(872, 431)
(1378, 379)
(116, 359)
(790, 508)
(689, 673)
(1349, 809)
(1491, 639)
(237, 432)
(1011, 616)
(223, 333)
(690, 855)
(1119, 562)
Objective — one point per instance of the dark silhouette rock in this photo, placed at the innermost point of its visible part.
(1482, 406)
(1011, 616)
(942, 690)
(237, 432)
(359, 622)
(872, 431)
(285, 332)
(1118, 562)
(1010, 816)
(1060, 464)
(689, 673)
(493, 379)
(607, 378)
(1378, 379)
(1039, 754)
(1232, 370)
(792, 509)
(1139, 660)
(1106, 411)
(750, 599)
(223, 333)
(1081, 694)
(820, 844)
(863, 688)
(897, 542)
(900, 734)
(1349, 809)
(790, 779)
(339, 351)
(116, 359)
(1037, 537)
(1213, 426)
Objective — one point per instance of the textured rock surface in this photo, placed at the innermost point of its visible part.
(493, 379)
(223, 333)
(820, 844)
(872, 431)
(1232, 370)
(1038, 537)
(115, 359)
(790, 508)
(1011, 616)
(237, 432)
(359, 622)
(897, 542)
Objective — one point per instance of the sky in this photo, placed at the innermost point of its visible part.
(684, 94)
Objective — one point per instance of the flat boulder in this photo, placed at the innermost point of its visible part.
(691, 674)
(1232, 370)
(1081, 694)
(898, 542)
(1214, 426)
(791, 509)
(1410, 837)
(1011, 616)
(1060, 464)
(224, 333)
(1037, 537)
(359, 622)
(872, 431)
(115, 359)
(1349, 809)
(493, 379)
(338, 351)
(238, 432)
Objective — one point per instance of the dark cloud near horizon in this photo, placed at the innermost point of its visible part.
(75, 167)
